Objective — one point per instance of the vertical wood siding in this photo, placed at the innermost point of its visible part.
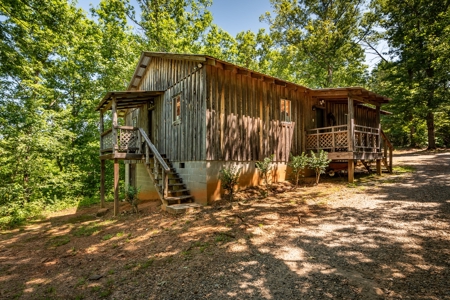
(184, 141)
(243, 118)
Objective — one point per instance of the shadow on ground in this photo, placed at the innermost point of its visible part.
(389, 240)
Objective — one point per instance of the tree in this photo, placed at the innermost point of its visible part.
(172, 25)
(322, 40)
(55, 65)
(417, 34)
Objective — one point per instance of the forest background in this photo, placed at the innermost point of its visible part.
(57, 60)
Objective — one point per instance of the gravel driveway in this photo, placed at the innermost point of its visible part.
(383, 238)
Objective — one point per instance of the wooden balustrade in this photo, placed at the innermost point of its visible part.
(127, 139)
(158, 162)
(335, 139)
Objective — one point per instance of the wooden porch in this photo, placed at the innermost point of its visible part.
(358, 134)
(133, 145)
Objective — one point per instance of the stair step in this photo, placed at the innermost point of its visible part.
(178, 191)
(176, 198)
(174, 178)
(182, 208)
(172, 184)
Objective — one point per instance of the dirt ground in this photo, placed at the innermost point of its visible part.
(384, 237)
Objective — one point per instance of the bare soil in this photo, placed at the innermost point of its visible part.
(384, 237)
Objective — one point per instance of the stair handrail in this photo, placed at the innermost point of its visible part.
(387, 140)
(154, 150)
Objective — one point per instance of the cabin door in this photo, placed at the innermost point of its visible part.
(320, 117)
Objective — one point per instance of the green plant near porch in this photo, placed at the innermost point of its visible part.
(229, 178)
(131, 197)
(298, 164)
(318, 162)
(264, 168)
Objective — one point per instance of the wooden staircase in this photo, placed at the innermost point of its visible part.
(174, 195)
(387, 155)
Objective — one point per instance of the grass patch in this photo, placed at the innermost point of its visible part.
(87, 230)
(221, 238)
(80, 282)
(105, 293)
(404, 169)
(107, 237)
(59, 240)
(146, 264)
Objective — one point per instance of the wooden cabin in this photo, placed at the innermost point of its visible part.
(187, 116)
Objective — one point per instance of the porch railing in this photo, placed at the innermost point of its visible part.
(366, 139)
(335, 139)
(127, 139)
(135, 140)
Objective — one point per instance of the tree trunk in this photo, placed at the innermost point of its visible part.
(412, 139)
(431, 133)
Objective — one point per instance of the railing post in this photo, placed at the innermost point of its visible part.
(164, 180)
(101, 131)
(147, 154)
(155, 168)
(139, 141)
(379, 138)
(367, 138)
(351, 123)
(317, 140)
(333, 139)
(114, 124)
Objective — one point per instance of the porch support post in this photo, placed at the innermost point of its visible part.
(378, 139)
(116, 187)
(101, 131)
(350, 125)
(114, 124)
(102, 183)
(351, 170)
(378, 122)
(378, 166)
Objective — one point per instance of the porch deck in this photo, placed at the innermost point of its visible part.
(352, 143)
(342, 142)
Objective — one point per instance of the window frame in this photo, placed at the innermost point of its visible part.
(285, 118)
(176, 109)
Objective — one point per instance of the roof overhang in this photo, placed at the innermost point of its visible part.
(356, 93)
(126, 99)
(146, 57)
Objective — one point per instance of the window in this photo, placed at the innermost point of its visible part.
(176, 108)
(286, 110)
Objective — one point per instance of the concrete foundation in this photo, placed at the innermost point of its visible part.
(202, 178)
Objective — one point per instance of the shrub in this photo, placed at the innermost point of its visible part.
(229, 178)
(131, 197)
(264, 168)
(318, 163)
(298, 164)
